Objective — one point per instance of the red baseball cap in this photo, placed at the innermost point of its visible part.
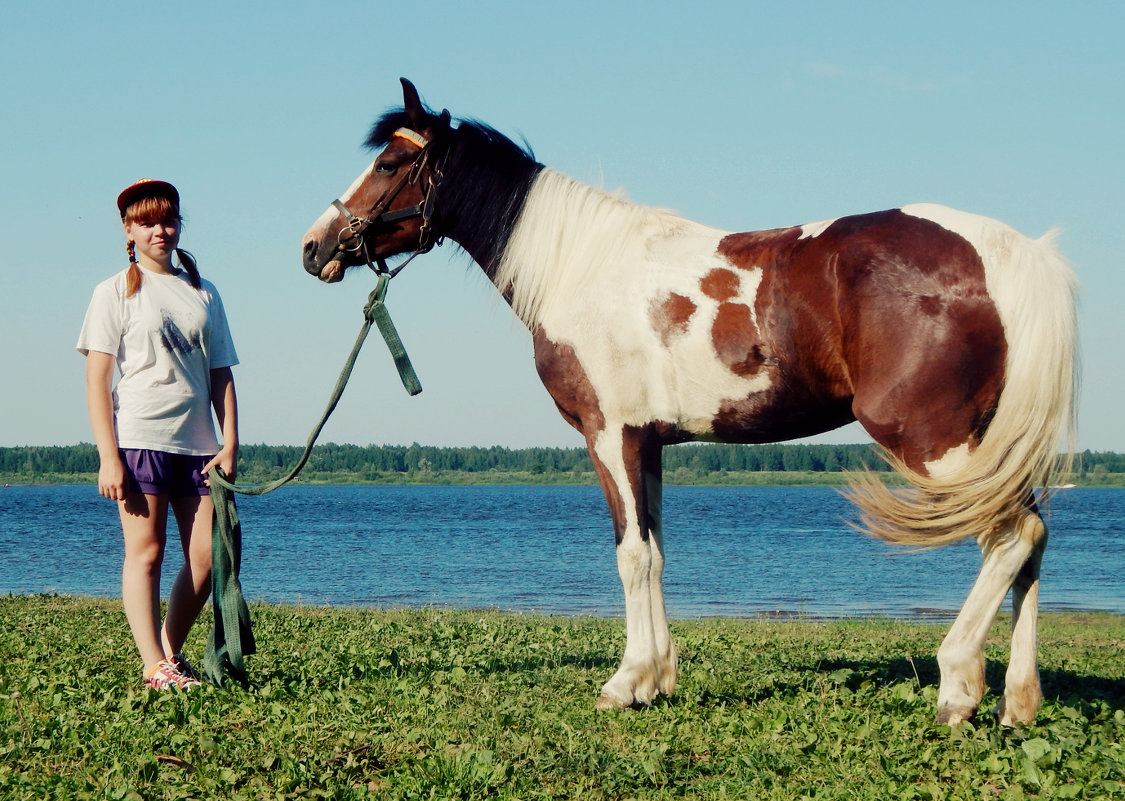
(146, 187)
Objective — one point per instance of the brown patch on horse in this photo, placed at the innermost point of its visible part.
(565, 379)
(928, 354)
(754, 249)
(577, 401)
(883, 317)
(720, 285)
(670, 317)
(736, 339)
(795, 342)
(563, 376)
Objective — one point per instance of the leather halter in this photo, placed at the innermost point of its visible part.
(350, 238)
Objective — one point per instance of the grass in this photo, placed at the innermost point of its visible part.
(356, 704)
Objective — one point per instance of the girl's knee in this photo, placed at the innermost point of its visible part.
(145, 557)
(202, 566)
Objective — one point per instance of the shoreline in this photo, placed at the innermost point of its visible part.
(519, 478)
(926, 617)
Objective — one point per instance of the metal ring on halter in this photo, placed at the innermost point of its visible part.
(352, 243)
(353, 228)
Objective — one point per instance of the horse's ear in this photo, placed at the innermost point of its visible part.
(412, 103)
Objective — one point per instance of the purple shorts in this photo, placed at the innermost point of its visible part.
(158, 473)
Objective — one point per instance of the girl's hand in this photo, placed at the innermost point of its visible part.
(226, 460)
(111, 479)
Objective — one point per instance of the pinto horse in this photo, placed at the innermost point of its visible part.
(950, 337)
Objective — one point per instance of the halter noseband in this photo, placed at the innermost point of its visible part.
(350, 237)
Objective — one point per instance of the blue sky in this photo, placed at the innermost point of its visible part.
(743, 115)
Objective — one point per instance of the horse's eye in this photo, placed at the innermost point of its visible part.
(385, 167)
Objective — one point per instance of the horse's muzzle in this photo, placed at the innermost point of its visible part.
(331, 271)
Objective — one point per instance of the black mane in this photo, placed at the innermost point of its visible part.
(487, 178)
(385, 127)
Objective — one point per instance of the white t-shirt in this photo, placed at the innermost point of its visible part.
(166, 339)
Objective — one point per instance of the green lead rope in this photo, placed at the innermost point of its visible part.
(231, 636)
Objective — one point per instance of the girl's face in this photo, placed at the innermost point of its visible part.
(155, 240)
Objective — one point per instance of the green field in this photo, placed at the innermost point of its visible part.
(453, 704)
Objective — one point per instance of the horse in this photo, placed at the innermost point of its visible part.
(950, 337)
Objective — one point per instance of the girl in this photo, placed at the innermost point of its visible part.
(164, 329)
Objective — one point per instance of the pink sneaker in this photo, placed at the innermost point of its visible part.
(185, 667)
(168, 676)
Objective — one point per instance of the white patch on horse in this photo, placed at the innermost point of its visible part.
(966, 225)
(950, 462)
(331, 213)
(815, 229)
(317, 229)
(576, 250)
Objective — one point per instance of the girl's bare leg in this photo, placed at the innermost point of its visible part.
(144, 520)
(193, 583)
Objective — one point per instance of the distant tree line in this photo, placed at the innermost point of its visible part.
(258, 462)
(704, 458)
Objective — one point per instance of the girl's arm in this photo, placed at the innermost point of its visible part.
(226, 411)
(99, 400)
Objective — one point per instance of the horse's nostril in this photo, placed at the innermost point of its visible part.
(308, 251)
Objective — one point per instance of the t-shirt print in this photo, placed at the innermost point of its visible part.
(173, 339)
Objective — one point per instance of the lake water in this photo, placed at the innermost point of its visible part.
(731, 551)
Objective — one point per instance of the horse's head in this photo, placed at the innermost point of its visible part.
(389, 208)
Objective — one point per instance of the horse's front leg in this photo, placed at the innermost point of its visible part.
(665, 648)
(629, 468)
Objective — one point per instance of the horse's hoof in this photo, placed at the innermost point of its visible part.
(609, 702)
(1011, 715)
(954, 715)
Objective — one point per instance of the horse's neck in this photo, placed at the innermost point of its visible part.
(481, 206)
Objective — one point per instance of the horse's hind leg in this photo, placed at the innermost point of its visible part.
(961, 656)
(1022, 693)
